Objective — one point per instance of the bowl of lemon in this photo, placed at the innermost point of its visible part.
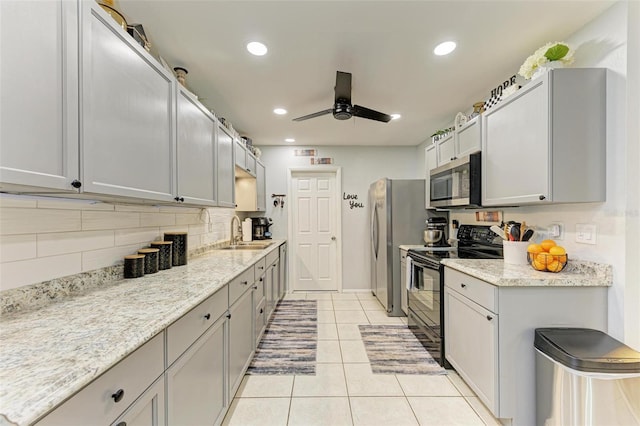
(547, 256)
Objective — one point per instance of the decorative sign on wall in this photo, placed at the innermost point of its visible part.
(321, 160)
(353, 201)
(305, 152)
(489, 216)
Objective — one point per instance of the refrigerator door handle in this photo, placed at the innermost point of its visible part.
(374, 232)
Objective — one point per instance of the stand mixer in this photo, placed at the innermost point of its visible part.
(435, 235)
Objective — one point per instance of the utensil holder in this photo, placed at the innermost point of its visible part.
(179, 239)
(515, 252)
(165, 255)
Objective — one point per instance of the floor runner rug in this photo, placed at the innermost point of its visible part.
(289, 343)
(394, 349)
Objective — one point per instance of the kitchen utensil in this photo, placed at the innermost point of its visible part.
(498, 231)
(515, 232)
(526, 236)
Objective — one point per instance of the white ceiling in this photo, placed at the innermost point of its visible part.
(386, 45)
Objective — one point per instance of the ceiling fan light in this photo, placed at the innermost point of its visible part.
(445, 48)
(395, 116)
(257, 48)
(280, 111)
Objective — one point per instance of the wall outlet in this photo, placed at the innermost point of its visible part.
(556, 231)
(586, 233)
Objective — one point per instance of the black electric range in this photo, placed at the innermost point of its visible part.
(426, 282)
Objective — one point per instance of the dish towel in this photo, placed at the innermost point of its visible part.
(409, 279)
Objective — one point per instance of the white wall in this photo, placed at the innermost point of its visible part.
(361, 166)
(603, 43)
(45, 238)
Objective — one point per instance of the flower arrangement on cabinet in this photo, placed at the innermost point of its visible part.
(556, 52)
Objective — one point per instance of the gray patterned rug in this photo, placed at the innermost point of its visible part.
(394, 349)
(289, 343)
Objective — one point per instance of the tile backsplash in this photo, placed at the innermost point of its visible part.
(44, 238)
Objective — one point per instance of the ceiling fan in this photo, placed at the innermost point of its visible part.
(342, 108)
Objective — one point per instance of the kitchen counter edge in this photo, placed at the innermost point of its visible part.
(498, 273)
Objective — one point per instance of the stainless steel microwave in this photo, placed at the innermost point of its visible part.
(457, 183)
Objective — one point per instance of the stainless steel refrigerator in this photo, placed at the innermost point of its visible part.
(397, 216)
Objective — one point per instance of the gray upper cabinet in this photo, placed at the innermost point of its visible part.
(240, 155)
(261, 201)
(225, 169)
(39, 113)
(196, 166)
(469, 137)
(251, 164)
(546, 142)
(126, 112)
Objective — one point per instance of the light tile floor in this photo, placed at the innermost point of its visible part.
(344, 391)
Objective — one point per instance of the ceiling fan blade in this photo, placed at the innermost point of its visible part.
(314, 115)
(359, 111)
(343, 86)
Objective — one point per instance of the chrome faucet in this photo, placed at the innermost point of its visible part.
(233, 240)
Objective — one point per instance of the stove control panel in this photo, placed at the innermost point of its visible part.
(476, 234)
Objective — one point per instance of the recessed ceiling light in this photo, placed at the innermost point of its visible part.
(257, 48)
(289, 140)
(280, 111)
(395, 116)
(445, 48)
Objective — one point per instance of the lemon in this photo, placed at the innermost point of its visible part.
(547, 244)
(554, 266)
(534, 248)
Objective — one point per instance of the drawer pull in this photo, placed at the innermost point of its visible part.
(255, 287)
(463, 285)
(207, 317)
(489, 317)
(261, 279)
(117, 397)
(244, 282)
(260, 267)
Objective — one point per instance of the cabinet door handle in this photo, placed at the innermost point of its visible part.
(261, 279)
(542, 197)
(118, 395)
(261, 267)
(255, 287)
(122, 424)
(207, 317)
(228, 316)
(489, 317)
(463, 285)
(261, 310)
(244, 282)
(76, 184)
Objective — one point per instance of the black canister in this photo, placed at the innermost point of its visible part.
(134, 266)
(164, 256)
(179, 246)
(151, 260)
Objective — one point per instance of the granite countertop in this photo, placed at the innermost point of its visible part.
(496, 272)
(48, 354)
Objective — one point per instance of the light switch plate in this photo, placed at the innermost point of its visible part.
(586, 233)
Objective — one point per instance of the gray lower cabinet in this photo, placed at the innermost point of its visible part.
(241, 341)
(148, 410)
(282, 285)
(490, 332)
(107, 398)
(196, 381)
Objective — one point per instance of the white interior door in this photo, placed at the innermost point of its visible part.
(314, 231)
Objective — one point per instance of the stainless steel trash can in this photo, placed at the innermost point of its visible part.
(585, 377)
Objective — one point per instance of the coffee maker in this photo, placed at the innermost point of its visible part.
(260, 227)
(435, 234)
